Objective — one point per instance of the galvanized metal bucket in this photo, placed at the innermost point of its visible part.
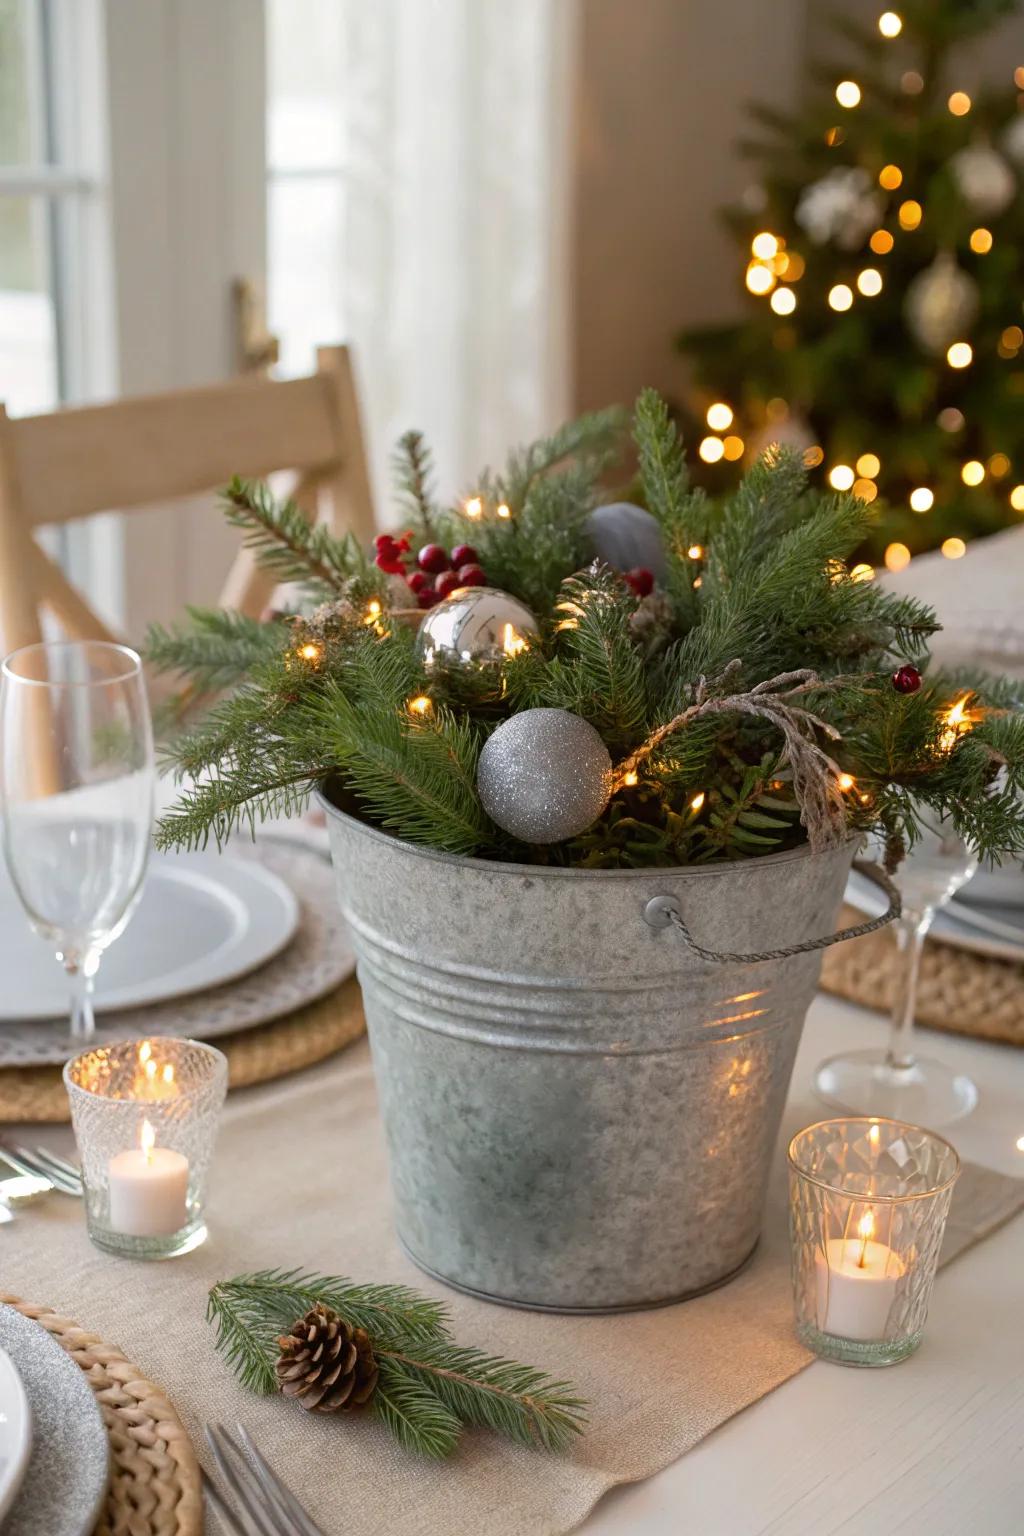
(580, 1111)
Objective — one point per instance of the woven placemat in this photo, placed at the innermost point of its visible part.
(959, 992)
(155, 1484)
(254, 1055)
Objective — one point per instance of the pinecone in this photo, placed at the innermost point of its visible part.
(325, 1363)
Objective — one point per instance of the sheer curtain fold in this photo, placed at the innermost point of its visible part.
(459, 118)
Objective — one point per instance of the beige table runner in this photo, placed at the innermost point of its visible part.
(300, 1178)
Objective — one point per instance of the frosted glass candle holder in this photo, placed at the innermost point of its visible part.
(145, 1115)
(868, 1205)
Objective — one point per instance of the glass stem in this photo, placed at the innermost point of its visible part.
(83, 1023)
(910, 935)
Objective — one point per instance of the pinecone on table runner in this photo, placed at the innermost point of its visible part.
(325, 1363)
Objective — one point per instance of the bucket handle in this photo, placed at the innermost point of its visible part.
(663, 912)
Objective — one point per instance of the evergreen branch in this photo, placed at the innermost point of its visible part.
(413, 470)
(606, 679)
(218, 649)
(287, 544)
(415, 1415)
(428, 1388)
(490, 1393)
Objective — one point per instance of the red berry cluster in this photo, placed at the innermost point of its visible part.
(640, 579)
(458, 569)
(906, 680)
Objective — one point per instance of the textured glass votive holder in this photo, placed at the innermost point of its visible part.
(145, 1115)
(868, 1201)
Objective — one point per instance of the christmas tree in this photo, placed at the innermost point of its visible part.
(882, 244)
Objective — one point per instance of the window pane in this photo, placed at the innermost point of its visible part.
(21, 122)
(28, 344)
(305, 219)
(305, 58)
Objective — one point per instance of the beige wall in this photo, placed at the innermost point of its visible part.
(661, 93)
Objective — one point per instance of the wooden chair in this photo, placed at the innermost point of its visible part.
(137, 452)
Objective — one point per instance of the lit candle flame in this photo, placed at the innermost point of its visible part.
(145, 1052)
(865, 1231)
(151, 1069)
(873, 1135)
(147, 1140)
(168, 1074)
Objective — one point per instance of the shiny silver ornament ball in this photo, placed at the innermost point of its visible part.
(941, 304)
(625, 536)
(475, 624)
(544, 775)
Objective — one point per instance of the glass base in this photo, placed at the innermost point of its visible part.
(874, 1353)
(170, 1247)
(863, 1083)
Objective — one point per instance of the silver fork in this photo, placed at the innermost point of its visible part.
(38, 1163)
(266, 1507)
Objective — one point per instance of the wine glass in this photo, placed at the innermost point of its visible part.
(896, 1083)
(76, 788)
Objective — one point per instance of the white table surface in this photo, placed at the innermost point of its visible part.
(931, 1447)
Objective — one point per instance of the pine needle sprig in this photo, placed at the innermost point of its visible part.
(429, 1387)
(413, 470)
(290, 546)
(218, 648)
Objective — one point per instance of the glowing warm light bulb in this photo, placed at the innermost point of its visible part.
(998, 466)
(848, 93)
(834, 136)
(512, 642)
(846, 781)
(733, 447)
(981, 241)
(869, 464)
(973, 472)
(1012, 338)
(897, 557)
(760, 279)
(695, 552)
(474, 507)
(870, 282)
(911, 83)
(840, 297)
(1017, 498)
(764, 246)
(950, 419)
(881, 242)
(890, 24)
(862, 572)
(309, 651)
(504, 510)
(890, 177)
(910, 214)
(711, 449)
(953, 548)
(783, 301)
(795, 267)
(697, 801)
(841, 477)
(719, 416)
(959, 103)
(1020, 1143)
(922, 499)
(420, 705)
(630, 778)
(960, 354)
(865, 489)
(956, 722)
(814, 456)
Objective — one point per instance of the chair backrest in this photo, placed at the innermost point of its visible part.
(136, 452)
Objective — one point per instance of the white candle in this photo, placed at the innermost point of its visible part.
(857, 1279)
(148, 1189)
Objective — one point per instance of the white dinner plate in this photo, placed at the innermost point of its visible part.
(15, 1433)
(994, 932)
(204, 919)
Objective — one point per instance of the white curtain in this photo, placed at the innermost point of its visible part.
(458, 125)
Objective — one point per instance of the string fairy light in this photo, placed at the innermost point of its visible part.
(1017, 498)
(630, 778)
(981, 241)
(960, 354)
(733, 446)
(504, 510)
(897, 557)
(840, 297)
(869, 465)
(921, 499)
(841, 477)
(695, 552)
(420, 705)
(846, 781)
(973, 472)
(783, 301)
(310, 651)
(760, 279)
(765, 245)
(697, 802)
(862, 572)
(865, 489)
(474, 507)
(954, 548)
(848, 93)
(890, 177)
(711, 449)
(881, 242)
(719, 416)
(890, 24)
(910, 214)
(956, 723)
(998, 466)
(870, 282)
(959, 103)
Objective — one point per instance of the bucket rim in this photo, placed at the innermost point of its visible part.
(543, 871)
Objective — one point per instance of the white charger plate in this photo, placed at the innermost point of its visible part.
(203, 919)
(997, 933)
(15, 1433)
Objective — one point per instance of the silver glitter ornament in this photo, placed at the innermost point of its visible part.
(984, 179)
(544, 775)
(475, 624)
(941, 304)
(625, 537)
